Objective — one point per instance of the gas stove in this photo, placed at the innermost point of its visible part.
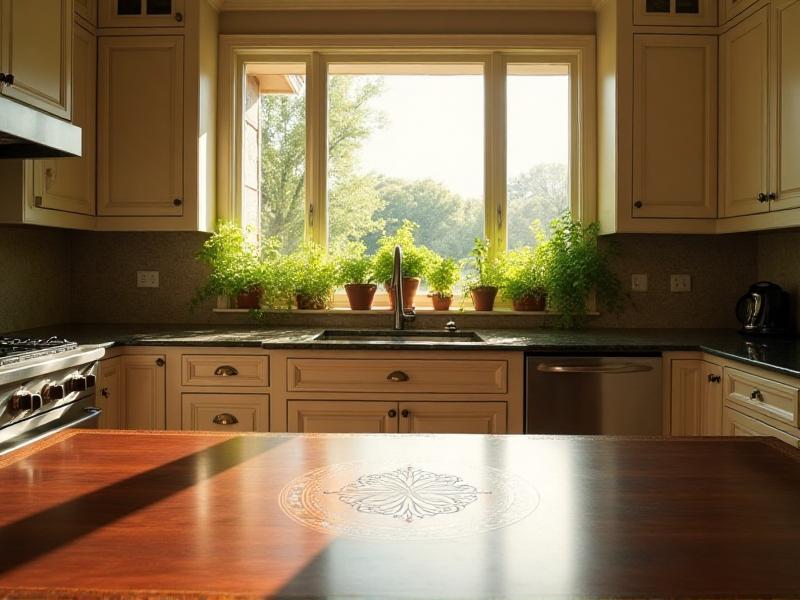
(14, 350)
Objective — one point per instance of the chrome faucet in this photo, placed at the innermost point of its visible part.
(400, 314)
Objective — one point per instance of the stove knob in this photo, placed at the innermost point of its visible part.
(21, 401)
(91, 380)
(77, 384)
(53, 392)
(36, 401)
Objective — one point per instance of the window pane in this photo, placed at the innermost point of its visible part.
(538, 148)
(406, 143)
(274, 152)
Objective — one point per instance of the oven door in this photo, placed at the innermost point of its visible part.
(80, 413)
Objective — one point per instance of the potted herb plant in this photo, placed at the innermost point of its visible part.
(524, 282)
(235, 269)
(575, 266)
(442, 278)
(416, 262)
(314, 277)
(486, 278)
(355, 273)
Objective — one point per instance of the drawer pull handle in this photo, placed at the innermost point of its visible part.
(225, 419)
(397, 376)
(757, 395)
(226, 371)
(392, 413)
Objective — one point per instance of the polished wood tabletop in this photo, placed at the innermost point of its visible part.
(128, 514)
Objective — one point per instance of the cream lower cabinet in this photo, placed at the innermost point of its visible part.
(225, 412)
(142, 379)
(696, 398)
(452, 417)
(108, 393)
(737, 424)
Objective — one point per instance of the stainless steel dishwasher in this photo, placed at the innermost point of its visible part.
(594, 395)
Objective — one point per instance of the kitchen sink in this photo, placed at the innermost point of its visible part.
(404, 337)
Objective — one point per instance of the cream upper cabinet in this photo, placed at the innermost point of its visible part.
(785, 188)
(143, 384)
(141, 13)
(87, 10)
(140, 126)
(68, 184)
(675, 126)
(731, 8)
(452, 417)
(744, 133)
(36, 49)
(684, 13)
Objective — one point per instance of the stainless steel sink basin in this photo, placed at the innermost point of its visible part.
(402, 337)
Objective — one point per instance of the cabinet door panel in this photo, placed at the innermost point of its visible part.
(744, 138)
(140, 126)
(225, 412)
(711, 398)
(68, 184)
(144, 391)
(787, 105)
(37, 49)
(108, 393)
(334, 416)
(736, 424)
(675, 126)
(453, 417)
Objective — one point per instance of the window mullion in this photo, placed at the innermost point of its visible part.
(316, 227)
(495, 152)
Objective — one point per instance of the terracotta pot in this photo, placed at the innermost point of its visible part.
(410, 285)
(441, 302)
(305, 303)
(249, 299)
(360, 295)
(533, 302)
(483, 298)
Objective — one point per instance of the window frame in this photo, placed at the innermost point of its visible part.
(494, 52)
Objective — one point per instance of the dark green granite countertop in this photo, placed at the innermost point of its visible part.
(782, 356)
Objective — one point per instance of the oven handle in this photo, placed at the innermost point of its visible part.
(614, 368)
(89, 413)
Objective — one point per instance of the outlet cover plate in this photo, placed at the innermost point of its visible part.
(147, 279)
(639, 282)
(680, 283)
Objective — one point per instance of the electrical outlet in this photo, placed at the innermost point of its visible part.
(639, 282)
(147, 279)
(680, 283)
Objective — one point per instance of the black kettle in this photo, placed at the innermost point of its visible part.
(764, 310)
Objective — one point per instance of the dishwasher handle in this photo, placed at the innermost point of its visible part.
(614, 368)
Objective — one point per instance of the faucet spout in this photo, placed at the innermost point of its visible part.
(400, 314)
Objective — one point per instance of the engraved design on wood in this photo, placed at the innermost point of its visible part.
(393, 501)
(408, 494)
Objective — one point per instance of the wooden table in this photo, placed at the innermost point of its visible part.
(299, 516)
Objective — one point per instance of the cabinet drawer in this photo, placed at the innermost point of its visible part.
(452, 417)
(397, 376)
(225, 412)
(332, 416)
(770, 398)
(220, 370)
(737, 424)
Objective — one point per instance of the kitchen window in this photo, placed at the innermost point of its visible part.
(340, 142)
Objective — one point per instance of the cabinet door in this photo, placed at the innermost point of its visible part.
(744, 143)
(334, 416)
(731, 8)
(675, 126)
(736, 424)
(144, 391)
(37, 49)
(108, 393)
(141, 13)
(87, 10)
(68, 184)
(711, 399)
(686, 396)
(225, 412)
(786, 103)
(140, 126)
(452, 417)
(684, 13)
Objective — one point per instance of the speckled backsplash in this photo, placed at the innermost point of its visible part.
(105, 264)
(779, 262)
(34, 285)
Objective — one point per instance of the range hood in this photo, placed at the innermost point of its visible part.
(28, 133)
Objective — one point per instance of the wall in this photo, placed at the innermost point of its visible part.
(106, 265)
(35, 288)
(779, 262)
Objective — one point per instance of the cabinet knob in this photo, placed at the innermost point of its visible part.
(7, 78)
(225, 419)
(714, 378)
(392, 413)
(179, 16)
(177, 201)
(226, 371)
(160, 362)
(757, 395)
(762, 197)
(404, 413)
(772, 196)
(638, 204)
(397, 376)
(105, 393)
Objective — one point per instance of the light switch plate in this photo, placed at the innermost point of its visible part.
(147, 279)
(639, 282)
(680, 283)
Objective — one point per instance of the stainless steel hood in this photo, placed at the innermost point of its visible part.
(28, 133)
